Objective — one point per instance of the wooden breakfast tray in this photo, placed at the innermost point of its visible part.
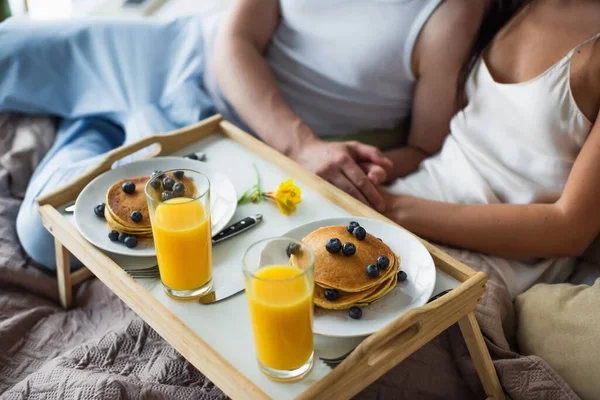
(217, 338)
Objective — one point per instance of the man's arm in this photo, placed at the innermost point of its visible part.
(251, 88)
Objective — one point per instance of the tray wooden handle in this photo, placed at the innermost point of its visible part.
(166, 144)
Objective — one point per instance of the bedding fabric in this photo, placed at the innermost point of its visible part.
(101, 349)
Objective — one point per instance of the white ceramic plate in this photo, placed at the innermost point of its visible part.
(414, 292)
(223, 201)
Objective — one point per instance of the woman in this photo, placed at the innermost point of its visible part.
(292, 70)
(517, 179)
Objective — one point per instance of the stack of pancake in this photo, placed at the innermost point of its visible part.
(347, 274)
(120, 205)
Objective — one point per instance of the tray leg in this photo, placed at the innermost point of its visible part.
(481, 357)
(63, 274)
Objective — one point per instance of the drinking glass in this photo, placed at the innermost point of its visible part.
(279, 288)
(181, 229)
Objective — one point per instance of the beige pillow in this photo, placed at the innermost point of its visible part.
(561, 324)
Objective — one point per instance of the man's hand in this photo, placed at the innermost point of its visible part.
(338, 163)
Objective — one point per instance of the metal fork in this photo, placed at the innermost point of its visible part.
(151, 272)
(334, 362)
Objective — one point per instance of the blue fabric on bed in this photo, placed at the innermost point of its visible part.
(111, 81)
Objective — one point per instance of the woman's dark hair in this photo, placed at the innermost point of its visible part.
(497, 15)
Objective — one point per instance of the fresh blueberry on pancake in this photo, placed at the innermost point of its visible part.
(372, 270)
(99, 210)
(331, 294)
(168, 183)
(128, 187)
(351, 225)
(178, 189)
(155, 184)
(293, 248)
(178, 174)
(383, 262)
(360, 233)
(136, 216)
(166, 195)
(333, 245)
(348, 249)
(122, 237)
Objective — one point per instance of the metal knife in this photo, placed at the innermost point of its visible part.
(223, 293)
(237, 228)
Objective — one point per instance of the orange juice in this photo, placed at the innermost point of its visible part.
(282, 313)
(183, 241)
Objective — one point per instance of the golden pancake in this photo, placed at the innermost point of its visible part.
(114, 225)
(348, 273)
(346, 299)
(381, 291)
(120, 204)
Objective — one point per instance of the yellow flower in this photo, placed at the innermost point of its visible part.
(287, 196)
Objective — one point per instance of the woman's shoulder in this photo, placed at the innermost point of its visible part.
(448, 35)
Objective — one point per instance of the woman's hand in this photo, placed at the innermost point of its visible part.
(338, 163)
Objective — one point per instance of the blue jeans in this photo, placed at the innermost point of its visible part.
(111, 81)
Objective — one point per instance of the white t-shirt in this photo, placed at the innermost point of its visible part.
(343, 66)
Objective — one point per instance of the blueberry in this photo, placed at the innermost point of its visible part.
(333, 245)
(383, 262)
(359, 233)
(113, 236)
(168, 183)
(355, 312)
(122, 237)
(372, 270)
(128, 187)
(192, 156)
(178, 189)
(293, 248)
(131, 241)
(136, 216)
(178, 174)
(348, 249)
(155, 183)
(351, 225)
(155, 173)
(331, 294)
(99, 210)
(166, 195)
(402, 276)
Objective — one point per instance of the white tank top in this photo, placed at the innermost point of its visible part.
(513, 143)
(343, 66)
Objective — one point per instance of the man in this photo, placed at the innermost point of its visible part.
(291, 71)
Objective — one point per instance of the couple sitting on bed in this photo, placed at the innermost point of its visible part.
(516, 83)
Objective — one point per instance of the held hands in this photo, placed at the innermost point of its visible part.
(353, 167)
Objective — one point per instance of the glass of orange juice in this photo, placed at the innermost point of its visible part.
(179, 207)
(279, 287)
